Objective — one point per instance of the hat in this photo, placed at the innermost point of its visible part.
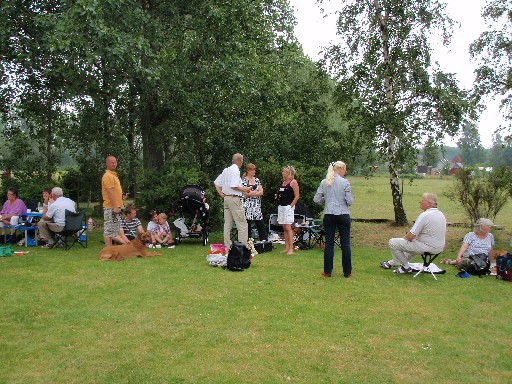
(463, 275)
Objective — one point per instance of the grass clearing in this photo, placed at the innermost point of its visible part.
(68, 318)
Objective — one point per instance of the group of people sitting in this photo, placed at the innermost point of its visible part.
(428, 235)
(53, 215)
(158, 227)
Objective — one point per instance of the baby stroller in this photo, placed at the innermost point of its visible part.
(191, 212)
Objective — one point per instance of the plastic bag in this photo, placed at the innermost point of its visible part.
(6, 250)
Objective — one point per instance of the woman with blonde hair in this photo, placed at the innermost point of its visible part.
(335, 194)
(288, 195)
(252, 201)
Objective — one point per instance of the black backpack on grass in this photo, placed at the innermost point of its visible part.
(239, 257)
(480, 265)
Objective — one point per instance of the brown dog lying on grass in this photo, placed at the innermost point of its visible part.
(136, 247)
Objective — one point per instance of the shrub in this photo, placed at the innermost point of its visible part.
(481, 194)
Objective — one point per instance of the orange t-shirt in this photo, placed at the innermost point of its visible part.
(108, 181)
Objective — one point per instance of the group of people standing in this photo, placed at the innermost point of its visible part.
(242, 205)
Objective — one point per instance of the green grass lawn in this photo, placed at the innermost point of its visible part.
(68, 318)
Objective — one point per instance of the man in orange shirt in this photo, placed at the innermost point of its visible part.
(112, 201)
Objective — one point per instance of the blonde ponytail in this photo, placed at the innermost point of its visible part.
(333, 168)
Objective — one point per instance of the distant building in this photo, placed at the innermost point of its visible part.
(455, 165)
(427, 170)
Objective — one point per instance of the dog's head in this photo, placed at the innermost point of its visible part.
(145, 237)
(501, 252)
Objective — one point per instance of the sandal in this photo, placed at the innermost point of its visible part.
(47, 246)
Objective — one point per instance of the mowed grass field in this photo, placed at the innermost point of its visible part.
(68, 318)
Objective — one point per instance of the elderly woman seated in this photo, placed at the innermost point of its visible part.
(11, 210)
(479, 241)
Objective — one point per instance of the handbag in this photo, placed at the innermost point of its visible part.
(504, 267)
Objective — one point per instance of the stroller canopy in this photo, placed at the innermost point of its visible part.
(192, 201)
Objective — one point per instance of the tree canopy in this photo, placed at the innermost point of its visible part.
(154, 82)
(493, 53)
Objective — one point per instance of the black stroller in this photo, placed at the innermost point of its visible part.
(191, 214)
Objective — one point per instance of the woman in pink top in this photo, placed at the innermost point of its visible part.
(13, 207)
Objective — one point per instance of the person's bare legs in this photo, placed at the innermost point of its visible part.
(448, 261)
(288, 239)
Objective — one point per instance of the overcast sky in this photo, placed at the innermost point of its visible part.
(315, 31)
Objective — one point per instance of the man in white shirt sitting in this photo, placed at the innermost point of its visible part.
(426, 235)
(54, 216)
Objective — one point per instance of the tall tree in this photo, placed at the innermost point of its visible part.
(492, 50)
(383, 67)
(430, 153)
(33, 83)
(500, 152)
(471, 149)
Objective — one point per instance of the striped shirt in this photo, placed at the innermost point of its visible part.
(130, 227)
(477, 245)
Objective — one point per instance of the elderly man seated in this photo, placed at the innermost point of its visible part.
(130, 226)
(426, 235)
(54, 216)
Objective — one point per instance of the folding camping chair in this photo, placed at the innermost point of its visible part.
(317, 234)
(74, 230)
(10, 237)
(428, 258)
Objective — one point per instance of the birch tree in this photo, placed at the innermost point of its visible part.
(385, 75)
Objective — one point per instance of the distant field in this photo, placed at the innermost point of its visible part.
(372, 199)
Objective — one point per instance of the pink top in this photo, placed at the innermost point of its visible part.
(14, 209)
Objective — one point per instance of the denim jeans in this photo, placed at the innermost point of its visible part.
(342, 224)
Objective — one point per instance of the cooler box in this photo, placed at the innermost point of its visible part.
(263, 246)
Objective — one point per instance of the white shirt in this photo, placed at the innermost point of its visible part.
(57, 210)
(229, 178)
(151, 226)
(430, 229)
